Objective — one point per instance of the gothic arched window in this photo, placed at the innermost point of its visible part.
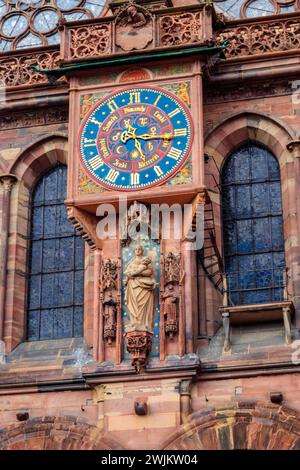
(253, 226)
(56, 264)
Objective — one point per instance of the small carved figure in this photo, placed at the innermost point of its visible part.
(172, 268)
(134, 27)
(110, 310)
(86, 105)
(183, 93)
(170, 298)
(110, 275)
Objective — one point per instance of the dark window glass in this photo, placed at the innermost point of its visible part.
(56, 266)
(253, 226)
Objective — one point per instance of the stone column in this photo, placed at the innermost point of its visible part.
(6, 184)
(294, 148)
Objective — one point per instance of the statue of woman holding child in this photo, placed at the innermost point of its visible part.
(140, 292)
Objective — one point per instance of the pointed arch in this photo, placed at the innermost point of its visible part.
(274, 135)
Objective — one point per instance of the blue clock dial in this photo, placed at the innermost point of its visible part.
(136, 138)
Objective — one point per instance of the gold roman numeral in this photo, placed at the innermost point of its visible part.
(180, 132)
(175, 153)
(135, 97)
(157, 100)
(89, 142)
(174, 113)
(96, 162)
(112, 175)
(112, 105)
(134, 179)
(158, 170)
(95, 121)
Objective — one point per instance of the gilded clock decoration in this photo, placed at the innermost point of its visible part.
(136, 138)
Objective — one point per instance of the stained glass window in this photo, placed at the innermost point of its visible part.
(253, 226)
(255, 8)
(56, 265)
(33, 23)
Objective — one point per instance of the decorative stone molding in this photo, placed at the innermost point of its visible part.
(215, 94)
(39, 117)
(256, 38)
(185, 28)
(17, 70)
(136, 27)
(90, 40)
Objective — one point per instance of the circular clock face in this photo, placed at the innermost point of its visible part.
(136, 138)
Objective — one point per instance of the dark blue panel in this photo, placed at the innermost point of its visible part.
(253, 226)
(78, 321)
(34, 325)
(243, 201)
(56, 271)
(63, 323)
(244, 236)
(260, 199)
(262, 235)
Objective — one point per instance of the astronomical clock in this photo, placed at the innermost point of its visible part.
(136, 139)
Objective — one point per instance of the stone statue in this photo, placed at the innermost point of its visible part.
(110, 312)
(170, 306)
(140, 292)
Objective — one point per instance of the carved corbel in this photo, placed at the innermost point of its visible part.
(294, 148)
(85, 224)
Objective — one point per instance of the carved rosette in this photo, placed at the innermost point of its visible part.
(139, 345)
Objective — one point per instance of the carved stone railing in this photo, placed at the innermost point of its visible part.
(249, 38)
(16, 69)
(117, 34)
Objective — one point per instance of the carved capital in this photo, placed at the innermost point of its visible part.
(294, 148)
(7, 182)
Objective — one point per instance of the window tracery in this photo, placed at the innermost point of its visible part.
(34, 23)
(255, 8)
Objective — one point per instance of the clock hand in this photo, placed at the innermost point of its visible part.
(128, 134)
(139, 148)
(150, 137)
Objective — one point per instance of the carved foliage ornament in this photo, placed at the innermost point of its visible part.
(185, 28)
(17, 70)
(261, 38)
(92, 40)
